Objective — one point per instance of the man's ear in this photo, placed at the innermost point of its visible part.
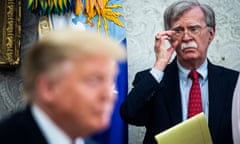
(212, 34)
(44, 88)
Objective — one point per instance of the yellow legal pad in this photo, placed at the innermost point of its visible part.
(192, 131)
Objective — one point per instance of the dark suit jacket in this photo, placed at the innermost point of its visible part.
(158, 106)
(21, 128)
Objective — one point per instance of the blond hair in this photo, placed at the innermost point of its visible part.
(61, 45)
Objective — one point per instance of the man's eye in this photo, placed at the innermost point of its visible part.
(194, 28)
(178, 30)
(93, 81)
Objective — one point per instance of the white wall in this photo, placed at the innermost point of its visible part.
(144, 18)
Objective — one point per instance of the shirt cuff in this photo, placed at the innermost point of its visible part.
(157, 74)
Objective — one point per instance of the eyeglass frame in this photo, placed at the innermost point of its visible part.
(180, 31)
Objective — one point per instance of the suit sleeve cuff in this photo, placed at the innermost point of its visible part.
(157, 74)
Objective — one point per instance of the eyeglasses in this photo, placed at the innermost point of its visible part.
(194, 30)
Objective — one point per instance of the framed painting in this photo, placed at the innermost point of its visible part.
(10, 33)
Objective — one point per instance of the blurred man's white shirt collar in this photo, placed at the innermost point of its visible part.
(52, 133)
(79, 141)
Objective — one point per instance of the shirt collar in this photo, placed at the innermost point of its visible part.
(202, 70)
(52, 133)
(79, 141)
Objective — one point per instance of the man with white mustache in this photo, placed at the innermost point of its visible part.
(160, 97)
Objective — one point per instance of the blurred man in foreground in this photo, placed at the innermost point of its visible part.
(68, 80)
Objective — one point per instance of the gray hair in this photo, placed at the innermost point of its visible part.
(176, 10)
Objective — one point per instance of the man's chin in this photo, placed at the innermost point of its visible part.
(105, 123)
(102, 123)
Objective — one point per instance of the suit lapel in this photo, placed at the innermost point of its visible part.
(216, 98)
(31, 127)
(173, 97)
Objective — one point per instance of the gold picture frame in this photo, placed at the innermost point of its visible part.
(10, 33)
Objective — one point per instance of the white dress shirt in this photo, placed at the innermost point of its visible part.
(185, 84)
(52, 133)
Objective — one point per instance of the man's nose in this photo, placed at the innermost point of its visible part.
(187, 36)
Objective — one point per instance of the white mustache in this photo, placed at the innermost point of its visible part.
(191, 44)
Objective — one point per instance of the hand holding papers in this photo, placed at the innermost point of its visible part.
(192, 131)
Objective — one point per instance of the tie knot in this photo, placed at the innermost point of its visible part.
(194, 75)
